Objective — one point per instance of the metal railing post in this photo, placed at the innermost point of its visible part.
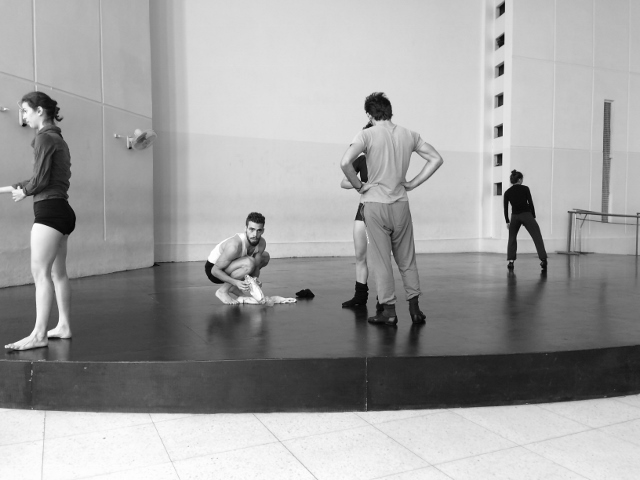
(569, 233)
(637, 226)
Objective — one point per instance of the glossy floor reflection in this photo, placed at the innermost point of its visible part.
(473, 304)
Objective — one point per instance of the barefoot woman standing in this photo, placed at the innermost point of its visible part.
(54, 218)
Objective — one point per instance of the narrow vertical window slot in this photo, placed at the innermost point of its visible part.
(498, 131)
(499, 41)
(497, 160)
(606, 159)
(499, 100)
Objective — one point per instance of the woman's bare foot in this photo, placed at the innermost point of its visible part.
(226, 298)
(60, 332)
(28, 343)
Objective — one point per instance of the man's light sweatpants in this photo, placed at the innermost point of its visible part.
(390, 229)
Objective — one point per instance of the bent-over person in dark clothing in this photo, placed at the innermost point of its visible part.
(522, 213)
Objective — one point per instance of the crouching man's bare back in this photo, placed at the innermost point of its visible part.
(237, 256)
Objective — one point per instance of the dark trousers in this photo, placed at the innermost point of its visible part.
(526, 219)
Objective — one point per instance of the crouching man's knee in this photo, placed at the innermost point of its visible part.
(265, 259)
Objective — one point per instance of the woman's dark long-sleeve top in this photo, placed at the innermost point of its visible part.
(520, 198)
(51, 168)
(360, 166)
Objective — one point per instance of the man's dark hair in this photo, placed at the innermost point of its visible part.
(378, 106)
(255, 217)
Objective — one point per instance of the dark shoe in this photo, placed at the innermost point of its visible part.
(360, 298)
(543, 264)
(417, 316)
(386, 317)
(379, 306)
(381, 319)
(510, 265)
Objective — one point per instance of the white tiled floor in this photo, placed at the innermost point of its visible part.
(595, 439)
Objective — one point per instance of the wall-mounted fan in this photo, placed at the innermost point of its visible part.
(140, 139)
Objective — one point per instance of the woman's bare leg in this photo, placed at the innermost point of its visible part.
(63, 292)
(360, 245)
(362, 272)
(45, 242)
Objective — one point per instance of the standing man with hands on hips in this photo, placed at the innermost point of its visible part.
(386, 205)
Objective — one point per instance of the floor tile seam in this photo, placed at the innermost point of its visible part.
(413, 470)
(298, 460)
(404, 447)
(617, 437)
(446, 462)
(564, 416)
(431, 412)
(181, 416)
(286, 448)
(217, 452)
(99, 475)
(586, 430)
(345, 429)
(591, 427)
(22, 442)
(99, 431)
(586, 427)
(325, 433)
(165, 448)
(44, 435)
(555, 462)
(619, 400)
(488, 429)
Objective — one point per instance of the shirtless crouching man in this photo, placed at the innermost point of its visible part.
(234, 258)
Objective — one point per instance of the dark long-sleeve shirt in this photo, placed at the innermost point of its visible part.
(51, 167)
(520, 198)
(360, 166)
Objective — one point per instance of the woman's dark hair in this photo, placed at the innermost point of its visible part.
(48, 104)
(515, 176)
(368, 125)
(378, 106)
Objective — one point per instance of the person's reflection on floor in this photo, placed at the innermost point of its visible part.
(361, 334)
(229, 329)
(521, 306)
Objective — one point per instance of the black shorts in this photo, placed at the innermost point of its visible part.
(359, 214)
(55, 213)
(207, 269)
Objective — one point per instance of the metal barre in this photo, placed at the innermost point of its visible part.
(573, 219)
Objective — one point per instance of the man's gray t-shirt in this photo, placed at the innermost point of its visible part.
(388, 154)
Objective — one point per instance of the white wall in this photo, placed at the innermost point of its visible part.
(255, 103)
(566, 58)
(93, 57)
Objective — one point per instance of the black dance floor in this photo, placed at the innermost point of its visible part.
(158, 339)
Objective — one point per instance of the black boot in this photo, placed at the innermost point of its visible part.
(386, 317)
(360, 298)
(414, 310)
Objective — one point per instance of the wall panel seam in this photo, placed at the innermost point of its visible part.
(100, 49)
(80, 97)
(35, 62)
(553, 107)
